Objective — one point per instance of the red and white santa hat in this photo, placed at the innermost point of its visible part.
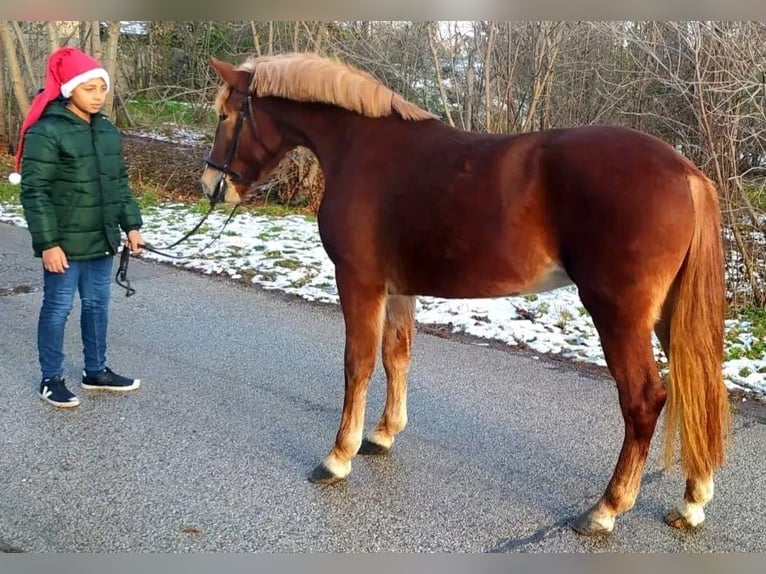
(67, 69)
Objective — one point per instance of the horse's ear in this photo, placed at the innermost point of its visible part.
(230, 74)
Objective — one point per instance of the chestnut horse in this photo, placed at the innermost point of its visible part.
(413, 206)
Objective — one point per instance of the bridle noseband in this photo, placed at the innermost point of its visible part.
(245, 111)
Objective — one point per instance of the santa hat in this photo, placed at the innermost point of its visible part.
(67, 69)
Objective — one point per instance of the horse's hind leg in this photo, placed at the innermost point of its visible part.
(397, 352)
(628, 350)
(363, 307)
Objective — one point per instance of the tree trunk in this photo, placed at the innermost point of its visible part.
(110, 64)
(84, 35)
(296, 32)
(488, 79)
(53, 36)
(315, 35)
(470, 79)
(256, 41)
(31, 72)
(546, 51)
(438, 72)
(14, 70)
(4, 135)
(95, 40)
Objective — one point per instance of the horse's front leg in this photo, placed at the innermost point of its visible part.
(397, 351)
(363, 305)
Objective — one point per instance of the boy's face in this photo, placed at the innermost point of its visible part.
(89, 96)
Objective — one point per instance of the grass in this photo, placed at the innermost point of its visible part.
(276, 210)
(735, 348)
(147, 195)
(757, 197)
(9, 193)
(757, 316)
(202, 205)
(291, 264)
(565, 317)
(147, 113)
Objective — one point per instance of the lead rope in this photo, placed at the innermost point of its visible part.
(121, 277)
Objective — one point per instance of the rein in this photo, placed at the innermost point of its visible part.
(121, 277)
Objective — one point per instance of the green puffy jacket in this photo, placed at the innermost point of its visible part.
(74, 185)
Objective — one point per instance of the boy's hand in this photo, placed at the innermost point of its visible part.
(135, 241)
(54, 260)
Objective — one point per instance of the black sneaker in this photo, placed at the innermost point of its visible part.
(55, 392)
(108, 380)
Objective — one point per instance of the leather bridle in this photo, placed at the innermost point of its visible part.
(245, 112)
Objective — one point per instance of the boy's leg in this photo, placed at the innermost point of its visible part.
(58, 297)
(95, 285)
(95, 291)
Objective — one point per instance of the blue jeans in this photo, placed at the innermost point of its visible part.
(92, 278)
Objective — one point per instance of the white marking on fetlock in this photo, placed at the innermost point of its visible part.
(605, 521)
(336, 466)
(692, 512)
(704, 492)
(381, 438)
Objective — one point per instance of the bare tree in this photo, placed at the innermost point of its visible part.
(702, 96)
(110, 63)
(95, 40)
(24, 49)
(488, 93)
(17, 80)
(431, 32)
(4, 139)
(256, 40)
(84, 35)
(53, 36)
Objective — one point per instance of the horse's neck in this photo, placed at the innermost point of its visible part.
(320, 127)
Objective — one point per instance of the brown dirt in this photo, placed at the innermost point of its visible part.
(171, 169)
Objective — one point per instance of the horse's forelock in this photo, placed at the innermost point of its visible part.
(220, 99)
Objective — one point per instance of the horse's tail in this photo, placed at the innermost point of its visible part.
(698, 401)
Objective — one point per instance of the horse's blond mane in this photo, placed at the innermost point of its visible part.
(309, 77)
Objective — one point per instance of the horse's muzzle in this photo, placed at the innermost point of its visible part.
(217, 187)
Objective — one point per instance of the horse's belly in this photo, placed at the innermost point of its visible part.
(551, 277)
(480, 282)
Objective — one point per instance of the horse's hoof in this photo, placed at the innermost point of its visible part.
(369, 447)
(588, 525)
(678, 520)
(321, 475)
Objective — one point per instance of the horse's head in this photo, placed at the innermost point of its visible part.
(247, 146)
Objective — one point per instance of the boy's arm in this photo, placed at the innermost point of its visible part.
(130, 218)
(39, 162)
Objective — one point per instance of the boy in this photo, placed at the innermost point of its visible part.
(76, 198)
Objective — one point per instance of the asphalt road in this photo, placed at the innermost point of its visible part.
(241, 398)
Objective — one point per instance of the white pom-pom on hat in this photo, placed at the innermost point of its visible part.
(15, 178)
